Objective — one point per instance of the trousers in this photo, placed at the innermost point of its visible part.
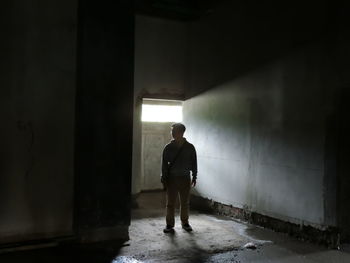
(177, 186)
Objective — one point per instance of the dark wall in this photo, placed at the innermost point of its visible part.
(160, 57)
(66, 104)
(343, 159)
(338, 129)
(338, 43)
(160, 71)
(238, 37)
(104, 115)
(37, 105)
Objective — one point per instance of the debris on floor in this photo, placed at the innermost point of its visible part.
(250, 245)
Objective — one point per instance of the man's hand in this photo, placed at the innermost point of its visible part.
(163, 181)
(194, 182)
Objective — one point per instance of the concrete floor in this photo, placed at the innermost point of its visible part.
(214, 239)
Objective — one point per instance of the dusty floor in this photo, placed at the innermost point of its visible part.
(214, 239)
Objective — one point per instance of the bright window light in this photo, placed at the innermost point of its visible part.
(161, 113)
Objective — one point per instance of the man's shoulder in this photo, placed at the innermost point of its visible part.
(169, 144)
(190, 145)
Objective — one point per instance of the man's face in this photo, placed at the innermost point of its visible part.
(176, 133)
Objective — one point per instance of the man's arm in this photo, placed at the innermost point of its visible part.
(194, 167)
(164, 165)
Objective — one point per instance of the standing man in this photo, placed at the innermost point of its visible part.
(179, 160)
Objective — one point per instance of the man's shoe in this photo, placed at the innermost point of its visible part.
(187, 227)
(168, 229)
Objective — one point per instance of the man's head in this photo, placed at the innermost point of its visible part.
(178, 130)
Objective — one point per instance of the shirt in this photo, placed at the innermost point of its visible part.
(185, 162)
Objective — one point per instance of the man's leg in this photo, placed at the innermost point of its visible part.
(171, 199)
(184, 191)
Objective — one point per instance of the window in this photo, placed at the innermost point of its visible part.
(161, 111)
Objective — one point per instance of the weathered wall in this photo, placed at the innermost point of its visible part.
(262, 85)
(160, 71)
(37, 94)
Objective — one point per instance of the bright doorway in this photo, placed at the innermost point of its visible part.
(157, 118)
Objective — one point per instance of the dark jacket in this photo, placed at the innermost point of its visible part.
(185, 162)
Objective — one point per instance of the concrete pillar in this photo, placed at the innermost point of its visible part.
(104, 119)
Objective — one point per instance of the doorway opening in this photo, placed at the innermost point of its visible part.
(161, 111)
(157, 117)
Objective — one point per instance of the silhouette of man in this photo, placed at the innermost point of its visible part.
(179, 160)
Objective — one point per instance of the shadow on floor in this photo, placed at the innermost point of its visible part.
(103, 252)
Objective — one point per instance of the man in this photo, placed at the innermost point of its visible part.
(179, 160)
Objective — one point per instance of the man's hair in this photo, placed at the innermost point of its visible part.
(179, 126)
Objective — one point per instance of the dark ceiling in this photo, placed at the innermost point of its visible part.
(175, 9)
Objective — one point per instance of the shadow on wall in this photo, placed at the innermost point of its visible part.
(237, 38)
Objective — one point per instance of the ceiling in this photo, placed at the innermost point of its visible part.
(185, 10)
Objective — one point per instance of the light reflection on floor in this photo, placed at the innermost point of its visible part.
(124, 259)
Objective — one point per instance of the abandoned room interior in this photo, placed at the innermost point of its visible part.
(90, 90)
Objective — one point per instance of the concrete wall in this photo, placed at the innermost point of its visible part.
(260, 141)
(37, 104)
(263, 83)
(160, 71)
(104, 110)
